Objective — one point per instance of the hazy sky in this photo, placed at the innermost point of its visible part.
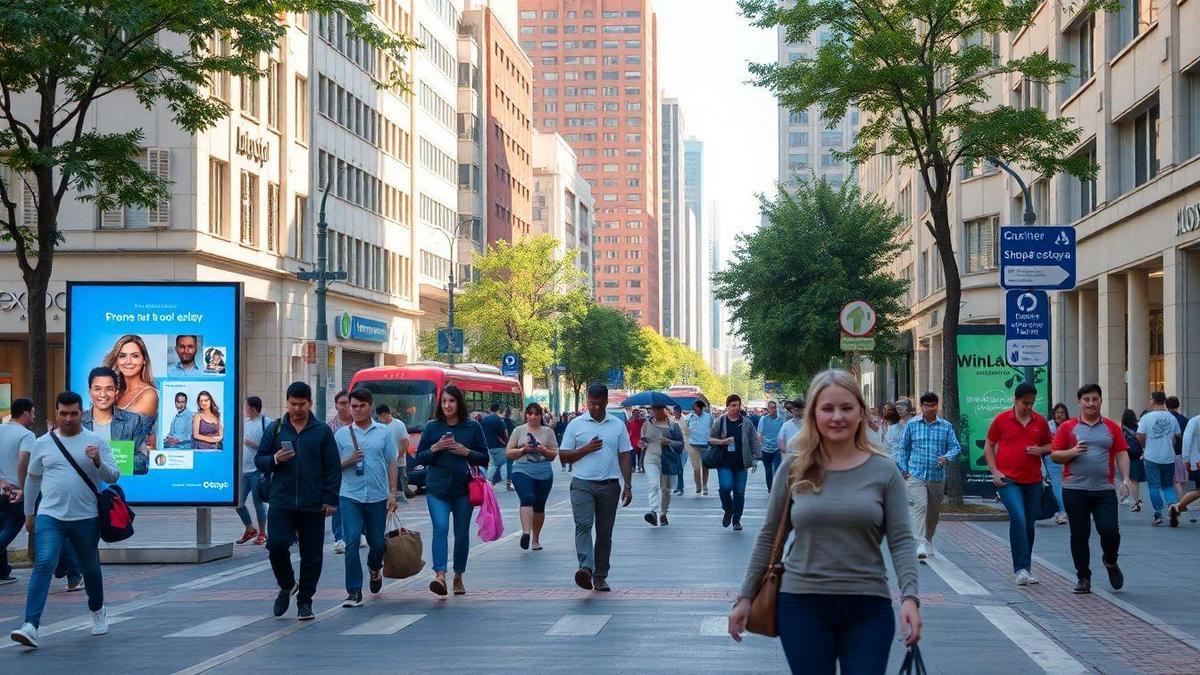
(704, 47)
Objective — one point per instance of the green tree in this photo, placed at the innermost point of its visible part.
(523, 293)
(820, 248)
(62, 56)
(921, 72)
(740, 380)
(597, 339)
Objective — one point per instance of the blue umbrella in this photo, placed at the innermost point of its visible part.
(650, 398)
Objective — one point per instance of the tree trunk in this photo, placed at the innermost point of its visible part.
(37, 283)
(942, 235)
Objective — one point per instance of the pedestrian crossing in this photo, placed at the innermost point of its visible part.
(216, 627)
(579, 625)
(388, 624)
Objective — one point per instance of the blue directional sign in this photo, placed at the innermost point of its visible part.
(1027, 328)
(510, 365)
(616, 378)
(450, 340)
(1037, 257)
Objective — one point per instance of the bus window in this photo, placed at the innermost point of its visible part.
(411, 401)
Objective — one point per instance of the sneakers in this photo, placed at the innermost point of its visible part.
(737, 527)
(1082, 587)
(284, 599)
(1022, 577)
(376, 581)
(922, 551)
(1157, 521)
(353, 599)
(704, 492)
(26, 635)
(726, 519)
(651, 518)
(339, 547)
(583, 578)
(1137, 506)
(1032, 579)
(1116, 578)
(100, 621)
(1060, 519)
(249, 534)
(75, 584)
(1173, 515)
(304, 611)
(525, 541)
(457, 585)
(8, 579)
(260, 539)
(662, 520)
(600, 585)
(929, 551)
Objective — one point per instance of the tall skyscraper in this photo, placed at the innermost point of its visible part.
(701, 289)
(596, 84)
(674, 223)
(693, 175)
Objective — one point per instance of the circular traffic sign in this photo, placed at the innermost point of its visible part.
(857, 319)
(510, 359)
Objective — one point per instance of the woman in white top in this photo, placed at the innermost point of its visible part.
(532, 447)
(660, 435)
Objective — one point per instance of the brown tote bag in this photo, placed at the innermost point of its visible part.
(402, 551)
(762, 619)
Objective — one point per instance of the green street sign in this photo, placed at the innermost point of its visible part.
(857, 344)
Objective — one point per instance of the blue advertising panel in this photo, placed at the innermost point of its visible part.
(354, 327)
(1027, 328)
(450, 340)
(510, 365)
(1037, 256)
(174, 406)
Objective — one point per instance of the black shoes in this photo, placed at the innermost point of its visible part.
(1116, 578)
(284, 599)
(525, 540)
(737, 527)
(726, 519)
(662, 520)
(354, 599)
(652, 519)
(600, 585)
(304, 610)
(1173, 515)
(1083, 586)
(583, 578)
(376, 581)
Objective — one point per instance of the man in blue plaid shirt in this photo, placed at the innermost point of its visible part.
(929, 444)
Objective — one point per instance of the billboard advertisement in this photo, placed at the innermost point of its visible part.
(163, 361)
(985, 389)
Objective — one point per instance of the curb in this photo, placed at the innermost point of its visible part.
(975, 517)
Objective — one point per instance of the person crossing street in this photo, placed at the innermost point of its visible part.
(928, 446)
(15, 439)
(698, 422)
(769, 426)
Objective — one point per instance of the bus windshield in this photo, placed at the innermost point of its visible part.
(411, 401)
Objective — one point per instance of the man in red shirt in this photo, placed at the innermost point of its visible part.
(634, 425)
(1016, 442)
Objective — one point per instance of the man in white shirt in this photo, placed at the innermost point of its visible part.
(15, 438)
(383, 413)
(793, 426)
(254, 426)
(598, 447)
(1157, 431)
(66, 511)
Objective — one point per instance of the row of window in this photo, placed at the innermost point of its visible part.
(587, 75)
(500, 55)
(437, 107)
(509, 220)
(630, 59)
(393, 16)
(514, 109)
(437, 214)
(370, 266)
(434, 266)
(515, 186)
(250, 201)
(438, 54)
(363, 189)
(606, 92)
(608, 138)
(334, 30)
(529, 14)
(359, 118)
(616, 269)
(531, 46)
(630, 283)
(435, 160)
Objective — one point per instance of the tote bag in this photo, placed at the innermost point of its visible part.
(402, 551)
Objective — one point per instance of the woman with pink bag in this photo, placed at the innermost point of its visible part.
(451, 444)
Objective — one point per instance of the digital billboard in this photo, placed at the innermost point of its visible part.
(163, 361)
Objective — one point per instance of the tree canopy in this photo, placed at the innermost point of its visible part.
(667, 362)
(597, 339)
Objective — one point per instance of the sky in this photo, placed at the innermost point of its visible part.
(704, 49)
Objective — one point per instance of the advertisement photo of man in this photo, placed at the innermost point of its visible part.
(112, 423)
(186, 347)
(179, 437)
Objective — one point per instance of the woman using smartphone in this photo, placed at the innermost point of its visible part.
(532, 448)
(450, 445)
(841, 495)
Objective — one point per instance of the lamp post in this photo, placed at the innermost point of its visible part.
(322, 276)
(452, 240)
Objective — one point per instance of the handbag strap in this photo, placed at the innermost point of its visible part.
(71, 459)
(781, 530)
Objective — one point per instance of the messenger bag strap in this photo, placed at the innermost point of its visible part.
(353, 438)
(71, 459)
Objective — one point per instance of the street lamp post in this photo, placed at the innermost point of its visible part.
(322, 275)
(453, 242)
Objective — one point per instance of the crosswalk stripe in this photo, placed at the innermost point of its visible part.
(714, 626)
(1036, 645)
(385, 625)
(580, 625)
(216, 627)
(955, 577)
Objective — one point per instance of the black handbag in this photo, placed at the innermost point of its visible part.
(1048, 507)
(672, 461)
(913, 663)
(262, 489)
(711, 458)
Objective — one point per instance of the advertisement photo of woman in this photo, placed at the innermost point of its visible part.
(207, 429)
(131, 360)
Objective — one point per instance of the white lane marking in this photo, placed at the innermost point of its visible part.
(385, 625)
(715, 626)
(955, 577)
(1044, 652)
(216, 627)
(112, 621)
(227, 575)
(579, 625)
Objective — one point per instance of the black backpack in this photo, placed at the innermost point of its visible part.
(263, 489)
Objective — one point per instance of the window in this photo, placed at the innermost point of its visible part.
(300, 229)
(1191, 88)
(272, 217)
(248, 220)
(982, 236)
(301, 112)
(798, 117)
(250, 96)
(1135, 18)
(273, 94)
(1082, 201)
(1031, 93)
(799, 138)
(1081, 42)
(1145, 146)
(219, 84)
(218, 196)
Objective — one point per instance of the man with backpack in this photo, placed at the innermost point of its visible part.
(66, 511)
(254, 428)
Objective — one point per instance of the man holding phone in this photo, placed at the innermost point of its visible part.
(1089, 447)
(306, 475)
(598, 446)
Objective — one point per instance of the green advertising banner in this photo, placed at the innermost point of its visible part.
(123, 454)
(985, 389)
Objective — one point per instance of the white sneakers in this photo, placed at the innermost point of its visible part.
(100, 621)
(1025, 578)
(929, 551)
(26, 635)
(339, 546)
(922, 551)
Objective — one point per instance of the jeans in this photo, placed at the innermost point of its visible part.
(1084, 506)
(1023, 500)
(1160, 480)
(335, 524)
(732, 488)
(771, 461)
(821, 632)
(308, 528)
(250, 487)
(1054, 470)
(498, 460)
(925, 504)
(439, 513)
(594, 502)
(360, 518)
(48, 537)
(683, 458)
(12, 521)
(659, 492)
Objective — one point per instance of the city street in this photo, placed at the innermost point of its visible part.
(672, 589)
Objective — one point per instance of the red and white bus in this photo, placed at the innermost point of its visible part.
(686, 395)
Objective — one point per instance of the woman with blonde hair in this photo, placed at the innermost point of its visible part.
(841, 495)
(135, 378)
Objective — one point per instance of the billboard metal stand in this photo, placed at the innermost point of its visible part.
(201, 550)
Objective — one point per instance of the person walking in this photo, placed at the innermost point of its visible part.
(341, 417)
(15, 439)
(1181, 473)
(60, 501)
(742, 448)
(559, 429)
(1156, 432)
(1137, 468)
(895, 432)
(840, 495)
(660, 436)
(769, 426)
(636, 419)
(1191, 458)
(367, 494)
(929, 444)
(495, 433)
(532, 447)
(1089, 447)
(383, 413)
(254, 427)
(1053, 469)
(598, 446)
(676, 415)
(699, 424)
(1017, 440)
(301, 456)
(791, 428)
(450, 445)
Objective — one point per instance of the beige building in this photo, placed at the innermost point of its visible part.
(1131, 324)
(562, 199)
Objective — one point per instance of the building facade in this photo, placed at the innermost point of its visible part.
(673, 233)
(1130, 323)
(596, 83)
(562, 200)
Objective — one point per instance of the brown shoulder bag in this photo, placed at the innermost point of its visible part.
(762, 619)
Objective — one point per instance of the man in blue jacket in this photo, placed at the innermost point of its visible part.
(301, 458)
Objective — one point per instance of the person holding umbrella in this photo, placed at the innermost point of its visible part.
(662, 443)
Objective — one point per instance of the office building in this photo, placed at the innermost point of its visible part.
(562, 200)
(701, 289)
(672, 233)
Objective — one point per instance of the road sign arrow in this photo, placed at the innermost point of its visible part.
(1035, 276)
